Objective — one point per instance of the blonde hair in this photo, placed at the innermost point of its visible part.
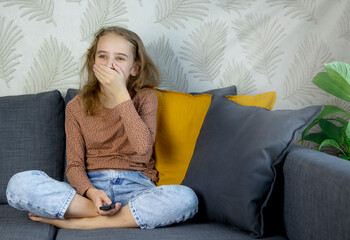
(147, 76)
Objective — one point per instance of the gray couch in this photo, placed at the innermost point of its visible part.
(310, 200)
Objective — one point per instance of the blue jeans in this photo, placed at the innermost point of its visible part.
(151, 206)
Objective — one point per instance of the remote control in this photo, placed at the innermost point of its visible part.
(107, 207)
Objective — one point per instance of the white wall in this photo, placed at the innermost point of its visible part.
(258, 45)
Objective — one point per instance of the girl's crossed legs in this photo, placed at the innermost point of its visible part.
(142, 203)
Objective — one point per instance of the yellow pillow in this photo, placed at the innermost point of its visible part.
(179, 119)
(264, 100)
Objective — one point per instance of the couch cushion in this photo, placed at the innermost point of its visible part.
(32, 135)
(188, 231)
(233, 166)
(15, 224)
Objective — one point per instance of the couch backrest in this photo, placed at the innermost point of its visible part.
(71, 93)
(31, 135)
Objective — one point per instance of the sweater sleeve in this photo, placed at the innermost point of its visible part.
(75, 147)
(140, 124)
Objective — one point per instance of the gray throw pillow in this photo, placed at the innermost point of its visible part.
(226, 91)
(32, 135)
(71, 93)
(233, 169)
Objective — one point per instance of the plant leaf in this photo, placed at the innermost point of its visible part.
(170, 69)
(336, 86)
(331, 130)
(330, 143)
(338, 70)
(315, 137)
(347, 132)
(343, 122)
(327, 110)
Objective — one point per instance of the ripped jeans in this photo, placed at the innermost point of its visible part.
(151, 206)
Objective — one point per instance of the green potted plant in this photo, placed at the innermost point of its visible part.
(334, 130)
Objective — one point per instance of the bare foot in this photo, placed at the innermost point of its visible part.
(122, 218)
(60, 223)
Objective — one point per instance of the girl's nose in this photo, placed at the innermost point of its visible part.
(110, 62)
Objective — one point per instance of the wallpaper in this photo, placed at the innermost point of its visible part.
(257, 45)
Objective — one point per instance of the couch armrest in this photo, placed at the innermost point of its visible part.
(316, 195)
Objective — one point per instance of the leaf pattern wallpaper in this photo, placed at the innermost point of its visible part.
(172, 14)
(298, 88)
(257, 45)
(168, 65)
(51, 69)
(259, 38)
(205, 52)
(102, 13)
(10, 34)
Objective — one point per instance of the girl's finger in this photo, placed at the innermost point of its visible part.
(118, 69)
(105, 69)
(101, 76)
(106, 199)
(105, 73)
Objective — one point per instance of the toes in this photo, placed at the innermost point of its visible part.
(33, 217)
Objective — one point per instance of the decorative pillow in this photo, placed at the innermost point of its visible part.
(232, 169)
(71, 93)
(222, 92)
(176, 134)
(264, 100)
(179, 119)
(32, 135)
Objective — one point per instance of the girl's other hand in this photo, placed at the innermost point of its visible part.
(99, 197)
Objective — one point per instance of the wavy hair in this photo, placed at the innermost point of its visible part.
(147, 76)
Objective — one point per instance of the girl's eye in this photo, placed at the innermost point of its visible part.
(119, 59)
(102, 56)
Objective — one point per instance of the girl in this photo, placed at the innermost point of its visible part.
(110, 132)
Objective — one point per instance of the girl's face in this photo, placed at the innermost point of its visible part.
(113, 48)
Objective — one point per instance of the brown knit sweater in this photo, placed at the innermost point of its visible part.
(115, 139)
